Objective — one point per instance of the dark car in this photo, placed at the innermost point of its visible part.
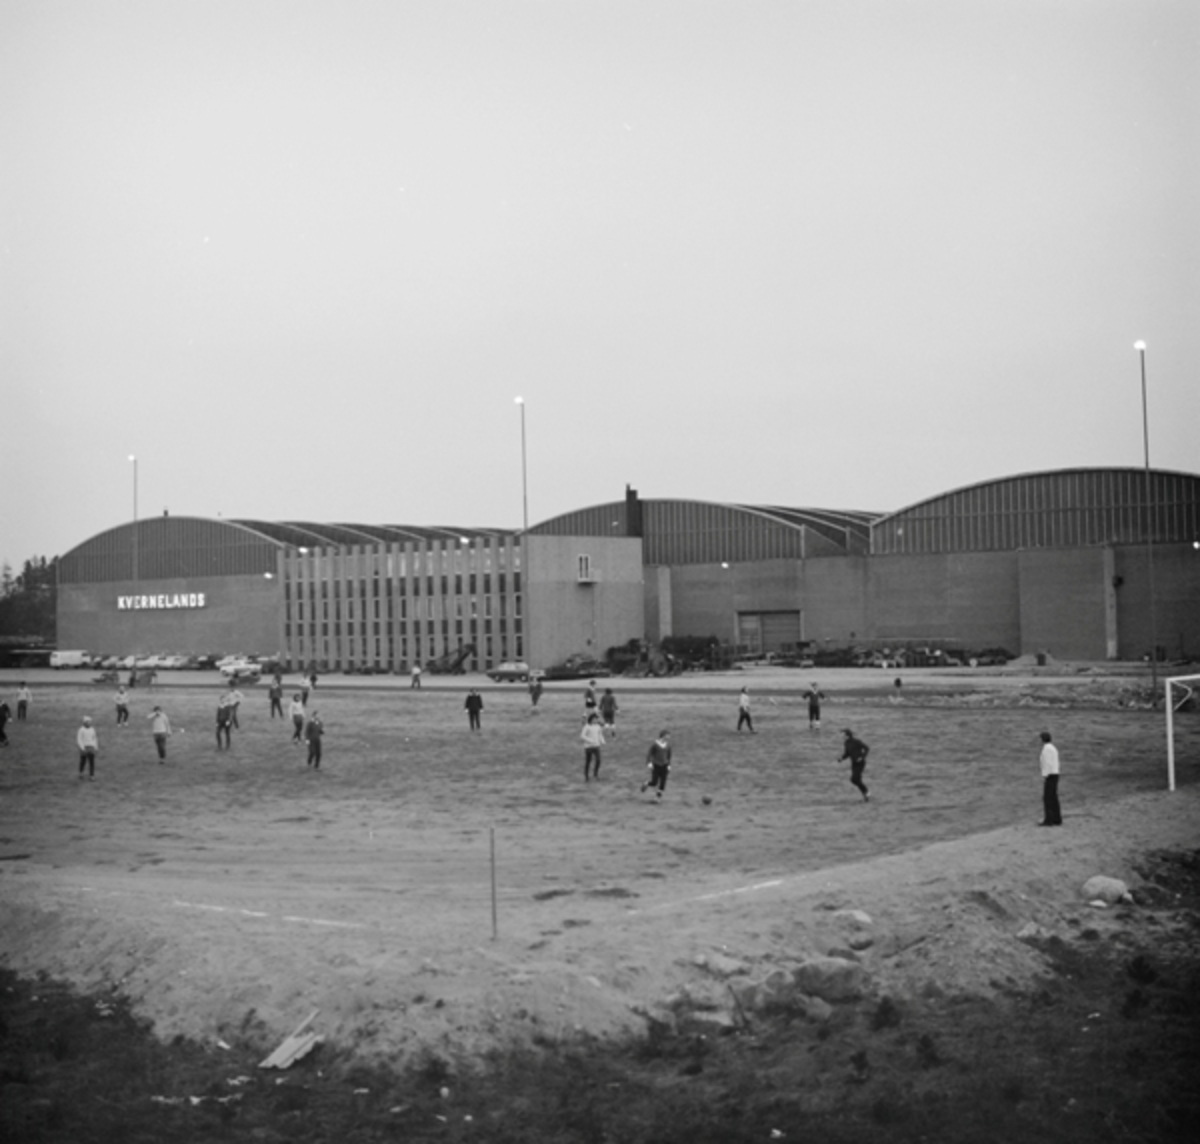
(578, 667)
(511, 671)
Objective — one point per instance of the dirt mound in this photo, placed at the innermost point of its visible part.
(969, 916)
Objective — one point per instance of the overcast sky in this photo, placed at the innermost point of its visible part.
(300, 258)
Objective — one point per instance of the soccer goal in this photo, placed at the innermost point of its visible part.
(1180, 688)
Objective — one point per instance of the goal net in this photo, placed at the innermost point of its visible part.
(1180, 688)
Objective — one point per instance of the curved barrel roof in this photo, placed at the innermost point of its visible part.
(1052, 509)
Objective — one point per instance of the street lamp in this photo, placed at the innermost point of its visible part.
(1140, 346)
(524, 469)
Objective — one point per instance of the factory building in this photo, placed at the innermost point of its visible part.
(1062, 562)
(1058, 562)
(344, 596)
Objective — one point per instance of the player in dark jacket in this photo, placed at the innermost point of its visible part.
(474, 706)
(313, 733)
(658, 759)
(856, 751)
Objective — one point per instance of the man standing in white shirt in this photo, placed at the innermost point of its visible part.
(1048, 761)
(88, 743)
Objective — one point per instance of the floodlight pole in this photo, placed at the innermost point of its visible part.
(524, 471)
(527, 648)
(1140, 346)
(135, 516)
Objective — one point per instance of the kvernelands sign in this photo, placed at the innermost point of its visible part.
(161, 601)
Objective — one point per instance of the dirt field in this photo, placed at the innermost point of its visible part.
(228, 894)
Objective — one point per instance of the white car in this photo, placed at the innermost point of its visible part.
(173, 662)
(241, 670)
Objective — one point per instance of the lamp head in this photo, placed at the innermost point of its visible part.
(1140, 346)
(519, 400)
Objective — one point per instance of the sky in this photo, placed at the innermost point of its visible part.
(299, 258)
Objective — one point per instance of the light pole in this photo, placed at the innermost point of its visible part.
(135, 517)
(1140, 346)
(524, 470)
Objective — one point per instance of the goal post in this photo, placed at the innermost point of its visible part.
(1188, 686)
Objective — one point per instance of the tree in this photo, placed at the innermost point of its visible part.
(28, 601)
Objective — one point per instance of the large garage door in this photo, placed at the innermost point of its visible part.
(763, 632)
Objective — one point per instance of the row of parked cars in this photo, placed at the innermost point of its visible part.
(242, 664)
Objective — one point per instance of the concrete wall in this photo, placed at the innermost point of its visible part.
(835, 602)
(971, 600)
(1176, 600)
(564, 617)
(239, 614)
(1063, 602)
(659, 614)
(706, 598)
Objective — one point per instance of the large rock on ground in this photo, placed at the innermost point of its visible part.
(831, 978)
(1107, 890)
(855, 928)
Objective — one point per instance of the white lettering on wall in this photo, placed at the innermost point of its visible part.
(162, 600)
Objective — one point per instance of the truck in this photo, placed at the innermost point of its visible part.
(70, 659)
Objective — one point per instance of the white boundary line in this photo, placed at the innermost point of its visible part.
(260, 914)
(712, 897)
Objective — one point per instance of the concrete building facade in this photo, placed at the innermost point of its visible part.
(1058, 561)
(1065, 562)
(347, 597)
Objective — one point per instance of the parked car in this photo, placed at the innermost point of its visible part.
(173, 662)
(579, 667)
(242, 671)
(511, 671)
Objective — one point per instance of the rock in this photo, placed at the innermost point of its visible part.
(831, 978)
(1031, 931)
(753, 996)
(1107, 890)
(746, 994)
(710, 1021)
(779, 981)
(721, 966)
(813, 1008)
(855, 928)
(695, 996)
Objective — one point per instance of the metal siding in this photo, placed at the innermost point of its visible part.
(1073, 508)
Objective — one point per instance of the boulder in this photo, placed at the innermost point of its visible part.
(777, 988)
(719, 965)
(855, 928)
(1110, 891)
(813, 1007)
(831, 978)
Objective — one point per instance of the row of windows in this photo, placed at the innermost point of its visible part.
(337, 649)
(388, 609)
(391, 587)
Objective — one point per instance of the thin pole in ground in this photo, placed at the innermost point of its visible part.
(492, 835)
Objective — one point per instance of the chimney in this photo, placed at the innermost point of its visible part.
(633, 512)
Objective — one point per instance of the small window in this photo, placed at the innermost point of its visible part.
(585, 567)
